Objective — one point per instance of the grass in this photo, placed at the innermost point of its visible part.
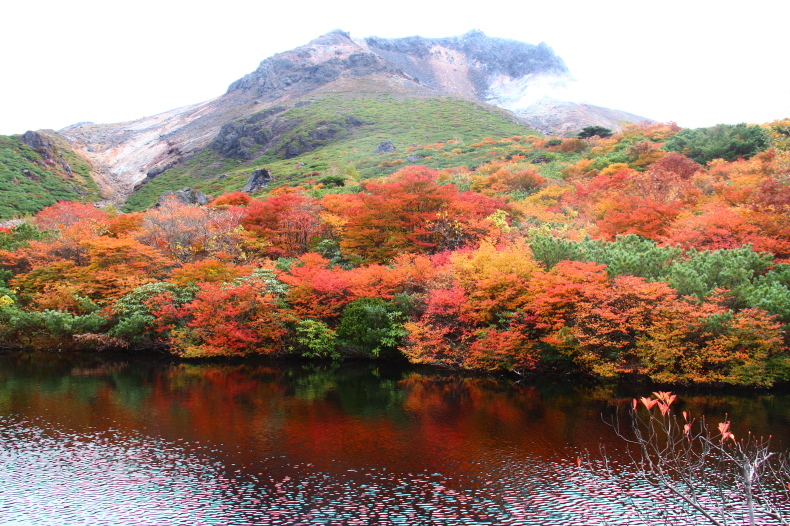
(30, 181)
(440, 131)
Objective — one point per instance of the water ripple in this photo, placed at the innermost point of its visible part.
(55, 477)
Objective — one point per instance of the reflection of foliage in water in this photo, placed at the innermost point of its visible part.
(358, 388)
(262, 393)
(315, 384)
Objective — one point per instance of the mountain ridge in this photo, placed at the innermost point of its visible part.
(472, 66)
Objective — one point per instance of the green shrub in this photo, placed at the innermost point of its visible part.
(371, 326)
(691, 273)
(333, 181)
(592, 131)
(18, 236)
(723, 141)
(316, 340)
(627, 255)
(49, 329)
(548, 250)
(133, 318)
(699, 273)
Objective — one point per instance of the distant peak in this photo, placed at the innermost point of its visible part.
(474, 33)
(334, 37)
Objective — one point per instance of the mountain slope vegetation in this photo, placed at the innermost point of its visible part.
(33, 177)
(336, 134)
(609, 256)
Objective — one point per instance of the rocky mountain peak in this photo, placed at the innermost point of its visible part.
(491, 54)
(336, 37)
(306, 68)
(477, 57)
(506, 73)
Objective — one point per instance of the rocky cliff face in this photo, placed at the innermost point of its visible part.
(307, 68)
(474, 66)
(470, 64)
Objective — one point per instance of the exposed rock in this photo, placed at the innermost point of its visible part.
(11, 223)
(237, 139)
(296, 146)
(265, 114)
(355, 122)
(153, 172)
(385, 147)
(326, 131)
(34, 140)
(259, 178)
(123, 153)
(413, 158)
(306, 68)
(541, 159)
(186, 196)
(474, 55)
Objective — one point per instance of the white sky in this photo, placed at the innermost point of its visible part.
(696, 62)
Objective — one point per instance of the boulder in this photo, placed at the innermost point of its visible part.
(34, 140)
(259, 178)
(385, 147)
(186, 196)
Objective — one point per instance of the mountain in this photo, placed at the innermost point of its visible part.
(337, 89)
(563, 118)
(39, 168)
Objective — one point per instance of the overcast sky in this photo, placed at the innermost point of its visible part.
(696, 62)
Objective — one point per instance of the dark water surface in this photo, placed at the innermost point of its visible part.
(122, 442)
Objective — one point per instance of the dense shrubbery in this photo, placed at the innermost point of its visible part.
(723, 141)
(617, 258)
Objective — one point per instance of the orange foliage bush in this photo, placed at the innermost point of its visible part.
(401, 216)
(232, 199)
(495, 278)
(100, 268)
(316, 291)
(188, 232)
(288, 222)
(573, 145)
(64, 214)
(208, 270)
(226, 319)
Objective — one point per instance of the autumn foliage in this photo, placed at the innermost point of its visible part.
(613, 256)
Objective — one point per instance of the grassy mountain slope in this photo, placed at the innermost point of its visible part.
(337, 133)
(33, 178)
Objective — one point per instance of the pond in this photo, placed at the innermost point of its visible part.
(119, 441)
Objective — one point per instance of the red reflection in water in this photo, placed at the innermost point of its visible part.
(338, 418)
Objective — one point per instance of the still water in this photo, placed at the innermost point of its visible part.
(126, 441)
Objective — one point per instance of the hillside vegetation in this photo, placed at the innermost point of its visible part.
(609, 256)
(337, 134)
(33, 178)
